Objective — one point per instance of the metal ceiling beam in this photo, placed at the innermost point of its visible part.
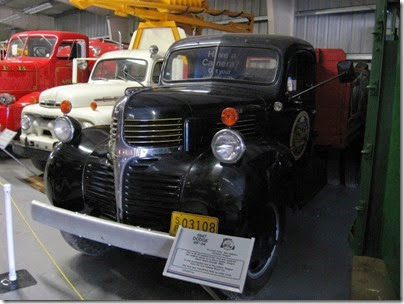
(91, 9)
(27, 21)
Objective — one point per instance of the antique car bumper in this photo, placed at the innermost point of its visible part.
(45, 143)
(30, 152)
(128, 237)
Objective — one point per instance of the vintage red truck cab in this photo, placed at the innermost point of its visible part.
(38, 60)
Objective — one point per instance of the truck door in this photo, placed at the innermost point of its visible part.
(301, 76)
(66, 52)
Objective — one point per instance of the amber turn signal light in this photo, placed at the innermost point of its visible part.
(93, 105)
(66, 106)
(229, 116)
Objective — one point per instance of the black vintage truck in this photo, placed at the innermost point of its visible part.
(222, 145)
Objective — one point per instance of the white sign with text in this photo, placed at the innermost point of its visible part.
(210, 259)
(5, 138)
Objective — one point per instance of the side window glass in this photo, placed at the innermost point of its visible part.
(292, 75)
(64, 50)
(305, 70)
(156, 71)
(71, 49)
(300, 75)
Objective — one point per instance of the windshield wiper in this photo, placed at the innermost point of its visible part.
(132, 78)
(50, 43)
(100, 78)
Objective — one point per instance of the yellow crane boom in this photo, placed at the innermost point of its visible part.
(186, 14)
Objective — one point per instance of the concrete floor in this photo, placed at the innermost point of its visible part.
(315, 262)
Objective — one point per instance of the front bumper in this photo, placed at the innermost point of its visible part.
(41, 142)
(30, 152)
(144, 241)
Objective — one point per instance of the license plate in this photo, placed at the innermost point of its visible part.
(193, 221)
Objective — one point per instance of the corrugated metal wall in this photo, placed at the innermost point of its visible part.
(83, 22)
(351, 31)
(257, 7)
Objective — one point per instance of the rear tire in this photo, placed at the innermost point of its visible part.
(39, 164)
(85, 246)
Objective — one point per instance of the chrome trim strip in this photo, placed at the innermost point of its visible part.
(186, 137)
(144, 241)
(161, 119)
(154, 125)
(151, 131)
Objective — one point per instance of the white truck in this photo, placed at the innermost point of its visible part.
(90, 103)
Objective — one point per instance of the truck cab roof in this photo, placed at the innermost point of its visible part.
(59, 34)
(282, 43)
(143, 54)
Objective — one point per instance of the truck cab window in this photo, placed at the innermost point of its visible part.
(70, 50)
(301, 69)
(156, 71)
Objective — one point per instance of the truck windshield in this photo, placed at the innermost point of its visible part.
(124, 69)
(37, 46)
(228, 63)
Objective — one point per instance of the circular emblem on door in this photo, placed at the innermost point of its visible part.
(300, 134)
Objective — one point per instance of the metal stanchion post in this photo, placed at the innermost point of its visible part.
(9, 281)
(12, 276)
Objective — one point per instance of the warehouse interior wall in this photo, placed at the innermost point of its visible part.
(119, 24)
(281, 17)
(26, 22)
(346, 24)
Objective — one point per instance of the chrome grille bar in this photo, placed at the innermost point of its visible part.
(153, 132)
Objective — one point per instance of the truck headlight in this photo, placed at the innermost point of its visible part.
(228, 146)
(26, 122)
(66, 128)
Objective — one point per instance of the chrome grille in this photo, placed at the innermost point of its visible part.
(246, 126)
(112, 131)
(49, 103)
(99, 189)
(154, 133)
(149, 198)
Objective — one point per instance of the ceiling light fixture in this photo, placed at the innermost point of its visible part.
(10, 18)
(37, 9)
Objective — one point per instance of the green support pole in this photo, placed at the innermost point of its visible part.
(359, 228)
(391, 208)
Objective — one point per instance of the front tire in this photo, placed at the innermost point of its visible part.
(267, 229)
(85, 246)
(39, 164)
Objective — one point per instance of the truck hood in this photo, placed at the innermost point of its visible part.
(200, 101)
(81, 95)
(18, 77)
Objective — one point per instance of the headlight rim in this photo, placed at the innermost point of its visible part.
(73, 128)
(239, 137)
(31, 120)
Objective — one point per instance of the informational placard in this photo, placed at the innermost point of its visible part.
(210, 259)
(5, 138)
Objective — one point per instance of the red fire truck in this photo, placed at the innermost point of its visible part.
(38, 60)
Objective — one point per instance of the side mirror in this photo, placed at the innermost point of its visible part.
(346, 68)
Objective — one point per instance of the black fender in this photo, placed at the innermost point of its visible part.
(65, 167)
(265, 173)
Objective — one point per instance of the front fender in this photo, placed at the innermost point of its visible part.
(237, 191)
(65, 168)
(12, 121)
